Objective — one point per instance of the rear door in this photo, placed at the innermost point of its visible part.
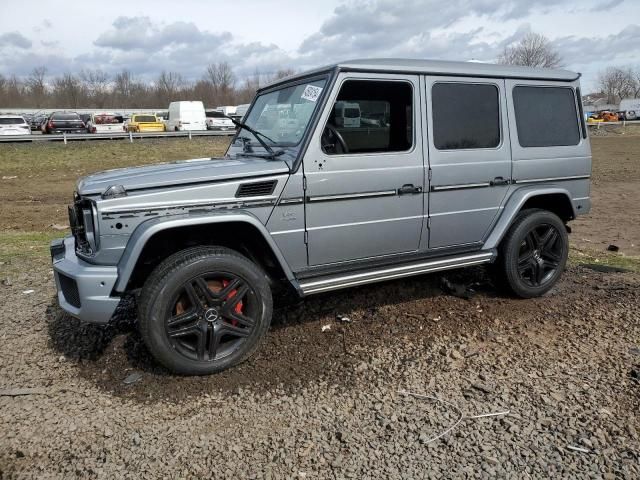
(470, 158)
(366, 201)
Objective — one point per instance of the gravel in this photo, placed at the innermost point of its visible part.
(316, 404)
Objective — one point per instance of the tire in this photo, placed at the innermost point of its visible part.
(204, 309)
(533, 254)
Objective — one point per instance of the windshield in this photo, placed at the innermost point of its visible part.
(11, 121)
(284, 114)
(106, 119)
(65, 116)
(145, 119)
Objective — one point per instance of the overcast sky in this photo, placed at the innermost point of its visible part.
(147, 37)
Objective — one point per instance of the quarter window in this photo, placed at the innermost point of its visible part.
(546, 116)
(465, 115)
(370, 116)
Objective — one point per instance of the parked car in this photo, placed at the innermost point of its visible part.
(85, 117)
(14, 125)
(631, 108)
(105, 123)
(37, 121)
(469, 169)
(241, 111)
(64, 122)
(145, 122)
(186, 116)
(218, 121)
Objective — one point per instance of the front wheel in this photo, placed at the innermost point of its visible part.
(534, 253)
(204, 310)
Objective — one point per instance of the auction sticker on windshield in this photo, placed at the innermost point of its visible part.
(311, 93)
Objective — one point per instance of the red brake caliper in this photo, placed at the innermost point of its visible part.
(239, 305)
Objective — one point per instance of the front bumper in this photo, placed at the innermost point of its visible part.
(84, 290)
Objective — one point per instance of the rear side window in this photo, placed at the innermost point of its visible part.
(546, 116)
(465, 115)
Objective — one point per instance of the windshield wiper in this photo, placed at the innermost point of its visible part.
(257, 134)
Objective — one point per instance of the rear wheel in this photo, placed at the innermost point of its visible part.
(534, 253)
(204, 310)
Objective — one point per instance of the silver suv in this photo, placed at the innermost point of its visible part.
(364, 171)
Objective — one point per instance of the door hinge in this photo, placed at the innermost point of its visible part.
(306, 237)
(428, 222)
(304, 183)
(430, 174)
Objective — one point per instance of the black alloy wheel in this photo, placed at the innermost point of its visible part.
(204, 309)
(540, 255)
(533, 253)
(211, 316)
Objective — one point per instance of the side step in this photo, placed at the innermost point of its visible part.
(335, 282)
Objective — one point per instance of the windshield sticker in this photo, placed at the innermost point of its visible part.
(311, 93)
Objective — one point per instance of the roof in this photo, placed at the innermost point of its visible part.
(443, 67)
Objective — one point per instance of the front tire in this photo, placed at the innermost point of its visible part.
(534, 253)
(204, 310)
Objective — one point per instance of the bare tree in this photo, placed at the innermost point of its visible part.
(36, 84)
(69, 91)
(618, 83)
(168, 85)
(533, 50)
(96, 84)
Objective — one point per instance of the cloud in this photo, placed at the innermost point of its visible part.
(603, 7)
(616, 47)
(140, 33)
(14, 39)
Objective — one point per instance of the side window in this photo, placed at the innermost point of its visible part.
(370, 116)
(465, 115)
(546, 116)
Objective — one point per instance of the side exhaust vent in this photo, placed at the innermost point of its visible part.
(256, 189)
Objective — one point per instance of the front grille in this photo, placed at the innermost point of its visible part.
(256, 189)
(69, 289)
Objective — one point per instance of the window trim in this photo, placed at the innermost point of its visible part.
(575, 105)
(414, 119)
(500, 117)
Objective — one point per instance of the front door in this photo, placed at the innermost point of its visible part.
(470, 158)
(364, 171)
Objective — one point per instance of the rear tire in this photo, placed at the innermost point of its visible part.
(533, 254)
(204, 309)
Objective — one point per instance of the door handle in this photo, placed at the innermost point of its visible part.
(499, 181)
(409, 188)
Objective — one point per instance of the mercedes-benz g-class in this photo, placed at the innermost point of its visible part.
(452, 164)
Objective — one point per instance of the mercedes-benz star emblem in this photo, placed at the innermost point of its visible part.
(211, 315)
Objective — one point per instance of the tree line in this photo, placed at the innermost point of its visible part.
(96, 89)
(619, 82)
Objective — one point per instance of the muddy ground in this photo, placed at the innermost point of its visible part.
(562, 372)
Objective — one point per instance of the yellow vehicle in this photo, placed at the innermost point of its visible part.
(145, 122)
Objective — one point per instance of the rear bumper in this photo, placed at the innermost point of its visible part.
(84, 290)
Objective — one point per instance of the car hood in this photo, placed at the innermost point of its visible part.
(199, 170)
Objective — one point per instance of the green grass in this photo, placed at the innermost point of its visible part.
(580, 256)
(26, 244)
(80, 158)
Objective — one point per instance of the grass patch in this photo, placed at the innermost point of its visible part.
(25, 244)
(579, 256)
(80, 158)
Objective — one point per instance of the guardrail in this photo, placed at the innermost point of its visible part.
(619, 122)
(70, 137)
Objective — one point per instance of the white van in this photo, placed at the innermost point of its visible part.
(186, 116)
(347, 114)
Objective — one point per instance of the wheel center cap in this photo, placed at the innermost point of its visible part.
(211, 315)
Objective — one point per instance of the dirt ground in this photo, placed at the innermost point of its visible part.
(561, 373)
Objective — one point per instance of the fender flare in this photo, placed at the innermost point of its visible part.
(146, 230)
(512, 207)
